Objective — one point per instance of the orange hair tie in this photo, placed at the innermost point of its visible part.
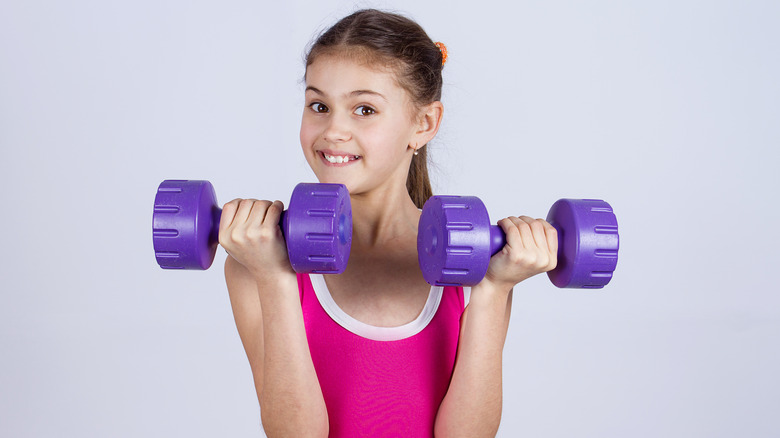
(443, 50)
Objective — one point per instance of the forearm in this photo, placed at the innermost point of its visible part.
(291, 400)
(473, 403)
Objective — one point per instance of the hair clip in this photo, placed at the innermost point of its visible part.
(443, 50)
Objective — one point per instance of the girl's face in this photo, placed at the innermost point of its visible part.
(358, 125)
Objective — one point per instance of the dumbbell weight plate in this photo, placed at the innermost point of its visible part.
(318, 228)
(185, 224)
(588, 243)
(453, 240)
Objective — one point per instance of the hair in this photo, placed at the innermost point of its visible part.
(402, 45)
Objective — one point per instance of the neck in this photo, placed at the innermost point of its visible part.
(383, 215)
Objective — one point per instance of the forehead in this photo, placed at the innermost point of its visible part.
(341, 75)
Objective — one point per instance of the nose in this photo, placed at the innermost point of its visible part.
(338, 129)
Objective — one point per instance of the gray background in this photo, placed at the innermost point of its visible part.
(667, 109)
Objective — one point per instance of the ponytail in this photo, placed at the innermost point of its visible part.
(418, 184)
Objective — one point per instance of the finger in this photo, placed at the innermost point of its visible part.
(228, 214)
(537, 229)
(244, 210)
(257, 213)
(273, 214)
(511, 233)
(526, 233)
(552, 238)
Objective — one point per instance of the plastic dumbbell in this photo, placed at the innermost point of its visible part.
(455, 241)
(317, 226)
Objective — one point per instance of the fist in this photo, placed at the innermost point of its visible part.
(249, 231)
(531, 248)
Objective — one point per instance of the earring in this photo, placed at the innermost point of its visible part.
(416, 152)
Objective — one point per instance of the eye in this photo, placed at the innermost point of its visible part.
(364, 110)
(318, 107)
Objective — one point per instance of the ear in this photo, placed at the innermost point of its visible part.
(428, 123)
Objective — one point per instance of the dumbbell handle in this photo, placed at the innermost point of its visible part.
(497, 239)
(217, 217)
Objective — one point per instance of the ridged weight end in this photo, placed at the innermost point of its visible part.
(318, 228)
(185, 221)
(453, 240)
(588, 243)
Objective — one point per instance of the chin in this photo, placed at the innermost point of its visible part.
(335, 179)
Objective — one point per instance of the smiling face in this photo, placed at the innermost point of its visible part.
(357, 125)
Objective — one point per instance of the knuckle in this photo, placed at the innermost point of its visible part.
(237, 235)
(274, 207)
(265, 235)
(253, 234)
(542, 261)
(523, 258)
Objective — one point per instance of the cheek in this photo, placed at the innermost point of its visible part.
(394, 135)
(308, 133)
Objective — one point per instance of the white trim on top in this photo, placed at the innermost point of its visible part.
(373, 332)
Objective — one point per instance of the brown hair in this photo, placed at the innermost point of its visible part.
(402, 45)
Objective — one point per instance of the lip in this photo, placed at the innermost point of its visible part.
(330, 152)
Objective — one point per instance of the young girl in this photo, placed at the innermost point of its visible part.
(374, 351)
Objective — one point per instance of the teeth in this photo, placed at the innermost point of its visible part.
(338, 159)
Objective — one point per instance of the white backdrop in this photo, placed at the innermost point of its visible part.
(667, 109)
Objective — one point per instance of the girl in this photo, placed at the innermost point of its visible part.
(374, 351)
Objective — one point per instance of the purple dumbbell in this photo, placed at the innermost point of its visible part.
(317, 226)
(455, 241)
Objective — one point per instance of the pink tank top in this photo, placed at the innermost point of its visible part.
(381, 381)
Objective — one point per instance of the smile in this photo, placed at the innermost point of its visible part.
(339, 159)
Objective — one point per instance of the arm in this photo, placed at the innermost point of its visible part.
(473, 403)
(264, 297)
(472, 406)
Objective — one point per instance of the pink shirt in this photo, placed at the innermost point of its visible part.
(381, 381)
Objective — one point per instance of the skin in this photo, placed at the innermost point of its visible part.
(354, 110)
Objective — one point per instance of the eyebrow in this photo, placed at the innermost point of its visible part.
(353, 94)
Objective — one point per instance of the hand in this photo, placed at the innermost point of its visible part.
(531, 248)
(249, 231)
